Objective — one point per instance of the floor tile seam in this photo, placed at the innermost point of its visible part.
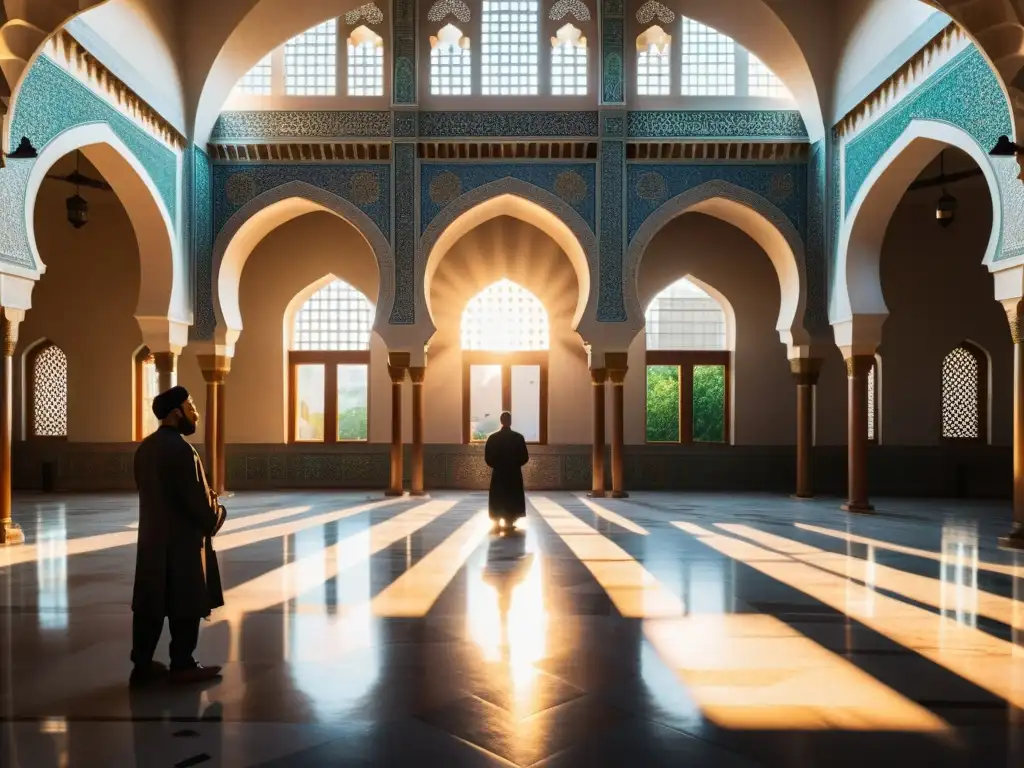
(476, 747)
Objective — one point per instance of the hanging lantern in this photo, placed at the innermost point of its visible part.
(78, 211)
(945, 209)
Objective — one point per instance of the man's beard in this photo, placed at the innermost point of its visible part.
(187, 427)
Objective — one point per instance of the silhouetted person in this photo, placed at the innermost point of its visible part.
(506, 454)
(176, 573)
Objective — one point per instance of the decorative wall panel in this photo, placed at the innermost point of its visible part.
(722, 124)
(366, 186)
(51, 101)
(14, 247)
(403, 312)
(262, 125)
(611, 307)
(650, 185)
(440, 184)
(506, 124)
(201, 242)
(964, 93)
(816, 319)
(613, 73)
(404, 43)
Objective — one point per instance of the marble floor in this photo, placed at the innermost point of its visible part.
(663, 629)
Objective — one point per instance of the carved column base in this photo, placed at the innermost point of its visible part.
(1015, 539)
(858, 509)
(11, 533)
(619, 494)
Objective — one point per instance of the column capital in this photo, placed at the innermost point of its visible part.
(10, 321)
(165, 362)
(1014, 309)
(215, 368)
(417, 373)
(805, 370)
(859, 366)
(397, 373)
(598, 376)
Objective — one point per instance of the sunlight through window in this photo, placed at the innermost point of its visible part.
(450, 63)
(569, 62)
(509, 39)
(310, 61)
(505, 318)
(652, 62)
(685, 317)
(365, 63)
(337, 317)
(709, 61)
(257, 81)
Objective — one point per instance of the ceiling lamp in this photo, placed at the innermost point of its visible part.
(78, 211)
(945, 209)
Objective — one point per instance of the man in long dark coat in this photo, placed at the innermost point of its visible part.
(176, 574)
(506, 454)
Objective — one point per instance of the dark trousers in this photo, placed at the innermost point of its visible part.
(146, 634)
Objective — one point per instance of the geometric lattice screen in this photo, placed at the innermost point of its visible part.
(961, 395)
(50, 393)
(505, 317)
(337, 317)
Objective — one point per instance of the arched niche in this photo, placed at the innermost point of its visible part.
(530, 204)
(857, 287)
(752, 214)
(163, 284)
(726, 306)
(265, 213)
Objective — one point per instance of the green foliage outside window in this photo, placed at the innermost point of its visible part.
(662, 404)
(352, 424)
(708, 404)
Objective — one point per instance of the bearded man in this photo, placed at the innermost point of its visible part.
(176, 573)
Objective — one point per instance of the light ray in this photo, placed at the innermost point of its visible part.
(414, 593)
(990, 663)
(613, 517)
(1007, 570)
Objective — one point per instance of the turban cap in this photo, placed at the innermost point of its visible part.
(167, 401)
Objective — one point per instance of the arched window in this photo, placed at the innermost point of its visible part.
(147, 386)
(505, 339)
(329, 362)
(509, 46)
(310, 61)
(709, 61)
(761, 81)
(365, 63)
(688, 367)
(47, 370)
(569, 62)
(450, 65)
(652, 62)
(965, 394)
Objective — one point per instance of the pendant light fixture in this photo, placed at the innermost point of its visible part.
(78, 206)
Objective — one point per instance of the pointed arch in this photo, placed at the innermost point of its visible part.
(760, 220)
(259, 217)
(857, 288)
(526, 202)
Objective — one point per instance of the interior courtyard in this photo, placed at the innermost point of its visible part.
(747, 274)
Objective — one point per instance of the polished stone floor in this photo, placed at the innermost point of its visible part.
(664, 629)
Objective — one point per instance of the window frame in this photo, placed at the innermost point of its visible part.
(983, 397)
(138, 421)
(506, 360)
(330, 359)
(686, 360)
(30, 392)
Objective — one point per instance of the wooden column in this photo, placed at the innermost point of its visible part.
(398, 364)
(1015, 538)
(616, 363)
(166, 368)
(858, 368)
(416, 375)
(598, 377)
(10, 531)
(220, 483)
(805, 371)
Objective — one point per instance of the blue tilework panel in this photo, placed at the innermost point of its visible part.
(404, 310)
(14, 247)
(835, 205)
(202, 243)
(502, 124)
(366, 186)
(611, 306)
(613, 71)
(300, 124)
(648, 186)
(573, 182)
(817, 190)
(51, 101)
(964, 93)
(732, 124)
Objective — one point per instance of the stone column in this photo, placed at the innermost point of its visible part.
(598, 377)
(858, 367)
(616, 363)
(1015, 313)
(416, 375)
(166, 369)
(398, 364)
(215, 369)
(10, 319)
(805, 371)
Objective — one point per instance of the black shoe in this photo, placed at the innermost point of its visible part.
(147, 674)
(196, 674)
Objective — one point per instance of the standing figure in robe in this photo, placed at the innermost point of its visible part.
(506, 455)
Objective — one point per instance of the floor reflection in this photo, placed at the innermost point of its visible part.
(52, 566)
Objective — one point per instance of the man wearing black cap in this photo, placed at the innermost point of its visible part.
(176, 574)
